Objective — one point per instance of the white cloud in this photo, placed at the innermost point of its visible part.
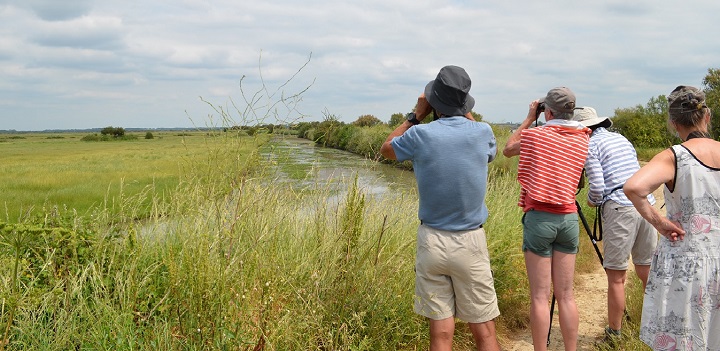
(99, 32)
(145, 64)
(52, 10)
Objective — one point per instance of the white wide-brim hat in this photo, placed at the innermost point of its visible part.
(588, 117)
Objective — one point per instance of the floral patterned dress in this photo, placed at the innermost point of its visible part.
(681, 309)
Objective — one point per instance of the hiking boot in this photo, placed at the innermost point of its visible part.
(610, 339)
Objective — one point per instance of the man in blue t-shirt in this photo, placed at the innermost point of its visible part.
(450, 157)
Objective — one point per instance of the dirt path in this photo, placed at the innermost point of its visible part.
(590, 296)
(591, 299)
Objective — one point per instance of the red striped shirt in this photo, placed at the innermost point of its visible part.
(551, 162)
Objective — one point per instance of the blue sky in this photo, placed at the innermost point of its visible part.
(166, 63)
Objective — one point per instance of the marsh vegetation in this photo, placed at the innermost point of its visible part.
(226, 240)
(229, 254)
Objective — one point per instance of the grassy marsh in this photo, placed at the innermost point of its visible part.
(226, 258)
(47, 170)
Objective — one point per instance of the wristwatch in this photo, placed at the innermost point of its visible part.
(412, 118)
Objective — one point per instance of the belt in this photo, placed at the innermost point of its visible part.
(478, 227)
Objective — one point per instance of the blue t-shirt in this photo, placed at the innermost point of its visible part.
(450, 159)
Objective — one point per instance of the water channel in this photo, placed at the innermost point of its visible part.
(304, 165)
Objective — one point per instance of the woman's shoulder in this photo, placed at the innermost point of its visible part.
(705, 150)
(712, 144)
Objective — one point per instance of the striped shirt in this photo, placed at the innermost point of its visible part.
(611, 161)
(550, 165)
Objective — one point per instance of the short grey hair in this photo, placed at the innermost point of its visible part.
(563, 115)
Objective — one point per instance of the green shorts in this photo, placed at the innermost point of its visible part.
(545, 232)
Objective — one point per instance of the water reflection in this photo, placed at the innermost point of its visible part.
(303, 165)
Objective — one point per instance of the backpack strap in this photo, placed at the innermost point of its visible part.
(597, 225)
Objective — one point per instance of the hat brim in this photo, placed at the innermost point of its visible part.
(604, 122)
(554, 107)
(445, 109)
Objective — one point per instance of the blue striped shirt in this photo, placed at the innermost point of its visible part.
(611, 161)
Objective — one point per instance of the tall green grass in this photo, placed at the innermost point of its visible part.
(230, 258)
(504, 235)
(646, 154)
(228, 261)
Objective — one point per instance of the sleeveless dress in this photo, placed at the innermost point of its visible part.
(681, 308)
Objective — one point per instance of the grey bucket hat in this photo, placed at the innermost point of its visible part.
(449, 92)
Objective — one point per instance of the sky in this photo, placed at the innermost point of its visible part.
(80, 64)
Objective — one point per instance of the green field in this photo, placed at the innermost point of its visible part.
(43, 170)
(183, 242)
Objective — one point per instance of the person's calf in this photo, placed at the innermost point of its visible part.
(642, 272)
(615, 297)
(484, 336)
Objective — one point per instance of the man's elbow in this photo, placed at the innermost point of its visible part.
(508, 152)
(387, 151)
(512, 148)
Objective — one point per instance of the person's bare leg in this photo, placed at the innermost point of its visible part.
(642, 272)
(441, 334)
(485, 336)
(563, 273)
(616, 297)
(538, 271)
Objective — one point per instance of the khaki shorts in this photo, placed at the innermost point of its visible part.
(625, 232)
(453, 276)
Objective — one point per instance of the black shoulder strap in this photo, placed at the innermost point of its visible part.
(597, 225)
(675, 173)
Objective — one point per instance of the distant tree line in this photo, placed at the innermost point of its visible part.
(252, 130)
(364, 136)
(644, 125)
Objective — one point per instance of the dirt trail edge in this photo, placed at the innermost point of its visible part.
(591, 300)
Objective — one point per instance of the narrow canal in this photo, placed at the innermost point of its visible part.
(304, 164)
